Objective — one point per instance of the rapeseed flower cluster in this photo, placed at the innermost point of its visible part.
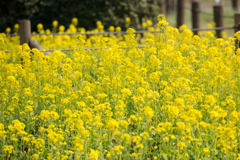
(71, 41)
(177, 98)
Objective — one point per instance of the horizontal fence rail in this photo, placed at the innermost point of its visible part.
(122, 32)
(66, 50)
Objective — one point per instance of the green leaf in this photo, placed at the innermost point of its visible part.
(164, 157)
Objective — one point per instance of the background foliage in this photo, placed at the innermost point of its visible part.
(87, 11)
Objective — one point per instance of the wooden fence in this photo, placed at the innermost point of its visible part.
(218, 16)
(25, 25)
(168, 6)
(25, 35)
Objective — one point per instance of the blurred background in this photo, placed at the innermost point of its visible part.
(109, 12)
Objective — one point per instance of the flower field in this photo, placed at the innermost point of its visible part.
(176, 98)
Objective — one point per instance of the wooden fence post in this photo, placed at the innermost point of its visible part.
(235, 4)
(162, 6)
(218, 18)
(195, 16)
(25, 35)
(25, 31)
(236, 28)
(35, 44)
(237, 43)
(180, 13)
(236, 21)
